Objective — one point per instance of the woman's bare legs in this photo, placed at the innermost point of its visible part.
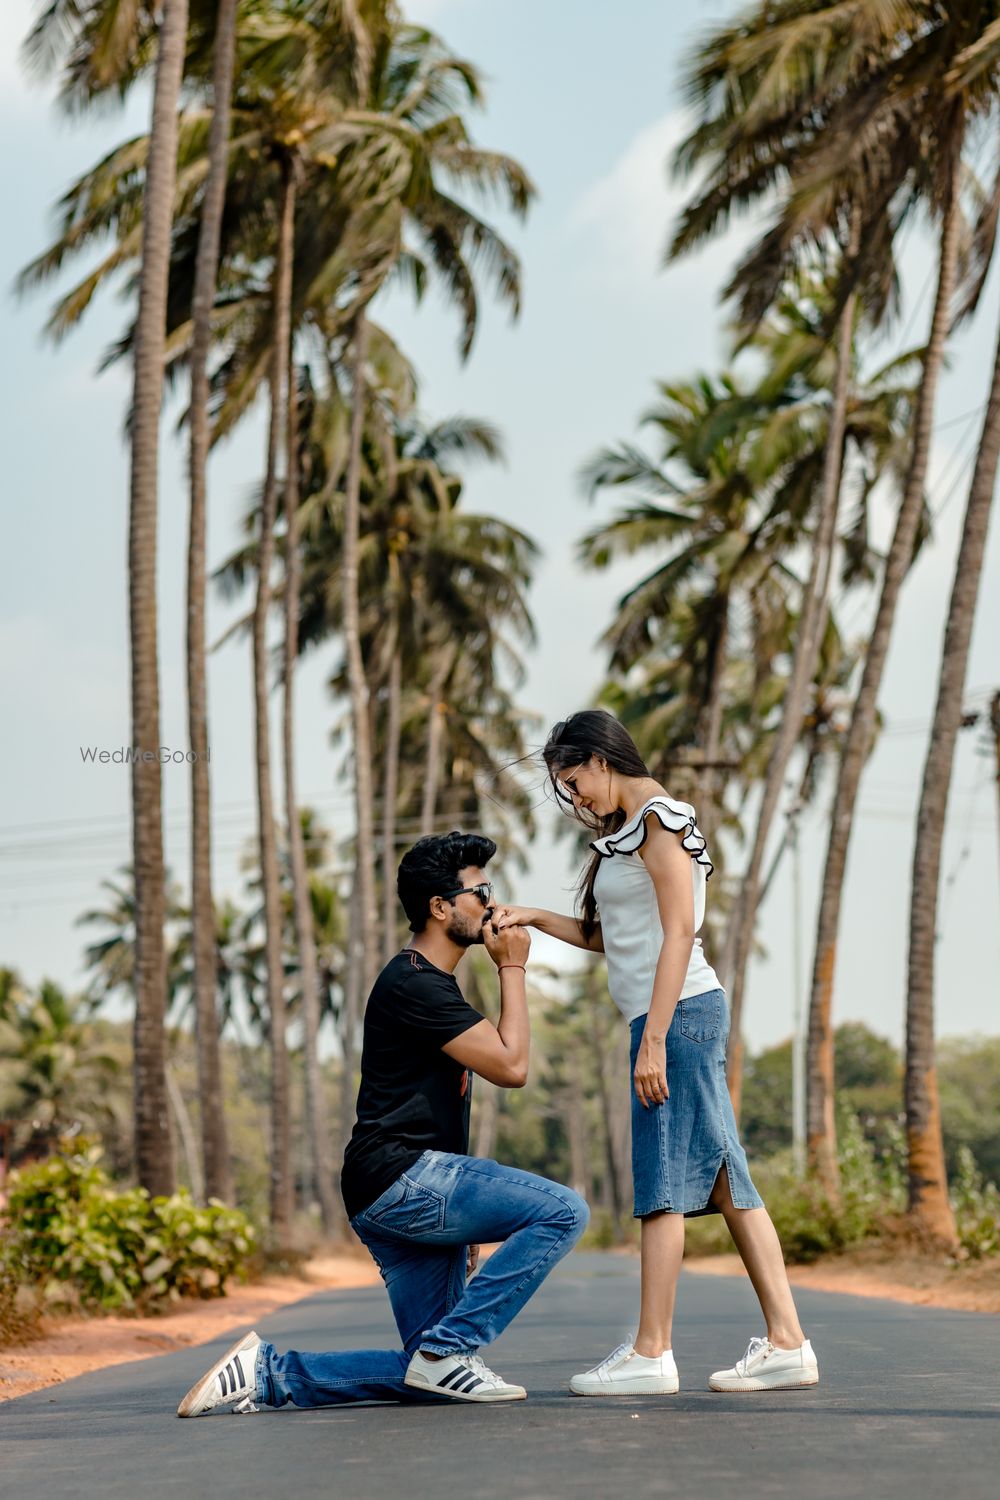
(760, 1250)
(662, 1253)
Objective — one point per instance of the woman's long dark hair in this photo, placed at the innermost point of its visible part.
(571, 742)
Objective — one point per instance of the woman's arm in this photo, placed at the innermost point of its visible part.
(669, 866)
(567, 929)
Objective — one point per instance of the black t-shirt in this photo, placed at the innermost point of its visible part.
(413, 1097)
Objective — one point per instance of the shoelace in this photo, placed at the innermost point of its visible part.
(612, 1358)
(482, 1369)
(754, 1348)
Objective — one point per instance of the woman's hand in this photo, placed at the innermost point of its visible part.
(513, 916)
(651, 1071)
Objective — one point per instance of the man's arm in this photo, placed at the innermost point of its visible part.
(500, 1053)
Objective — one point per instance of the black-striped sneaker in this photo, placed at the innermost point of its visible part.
(230, 1385)
(464, 1377)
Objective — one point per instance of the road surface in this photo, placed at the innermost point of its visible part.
(909, 1406)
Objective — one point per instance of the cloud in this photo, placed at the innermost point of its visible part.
(627, 217)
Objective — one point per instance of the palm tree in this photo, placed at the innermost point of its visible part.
(365, 942)
(706, 503)
(411, 114)
(112, 960)
(317, 1125)
(215, 1148)
(836, 97)
(154, 1159)
(928, 1184)
(281, 1171)
(98, 46)
(729, 503)
(812, 625)
(428, 572)
(58, 1076)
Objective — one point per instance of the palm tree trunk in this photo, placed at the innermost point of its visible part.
(576, 1124)
(153, 1150)
(821, 1133)
(928, 1183)
(281, 1172)
(812, 623)
(350, 1014)
(317, 1125)
(214, 1144)
(389, 799)
(711, 738)
(185, 1132)
(435, 741)
(358, 685)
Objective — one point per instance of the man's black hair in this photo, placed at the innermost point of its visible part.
(431, 868)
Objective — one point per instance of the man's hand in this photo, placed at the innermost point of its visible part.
(511, 945)
(472, 1259)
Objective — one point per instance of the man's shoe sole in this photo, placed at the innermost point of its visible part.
(483, 1400)
(628, 1388)
(793, 1383)
(198, 1392)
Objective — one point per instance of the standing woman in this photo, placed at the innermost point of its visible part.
(642, 904)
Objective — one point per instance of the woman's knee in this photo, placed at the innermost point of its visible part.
(721, 1195)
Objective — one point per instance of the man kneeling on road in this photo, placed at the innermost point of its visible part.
(415, 1197)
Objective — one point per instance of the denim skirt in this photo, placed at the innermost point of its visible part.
(680, 1146)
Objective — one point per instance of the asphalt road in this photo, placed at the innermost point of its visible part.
(908, 1406)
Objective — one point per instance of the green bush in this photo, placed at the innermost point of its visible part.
(977, 1208)
(808, 1224)
(85, 1243)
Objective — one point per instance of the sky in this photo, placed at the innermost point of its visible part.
(593, 112)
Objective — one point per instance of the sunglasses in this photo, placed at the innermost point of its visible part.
(484, 892)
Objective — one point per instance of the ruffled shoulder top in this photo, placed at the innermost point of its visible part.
(679, 817)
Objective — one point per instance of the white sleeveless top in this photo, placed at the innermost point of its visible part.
(630, 916)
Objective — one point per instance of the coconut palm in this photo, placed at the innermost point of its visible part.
(317, 1125)
(418, 511)
(709, 505)
(429, 572)
(411, 112)
(98, 47)
(928, 1187)
(215, 1149)
(112, 959)
(728, 503)
(55, 1076)
(837, 96)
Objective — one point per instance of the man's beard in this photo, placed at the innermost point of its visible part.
(460, 934)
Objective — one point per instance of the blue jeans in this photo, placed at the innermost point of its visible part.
(418, 1232)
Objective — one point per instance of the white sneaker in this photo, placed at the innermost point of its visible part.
(231, 1383)
(625, 1373)
(765, 1368)
(464, 1377)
